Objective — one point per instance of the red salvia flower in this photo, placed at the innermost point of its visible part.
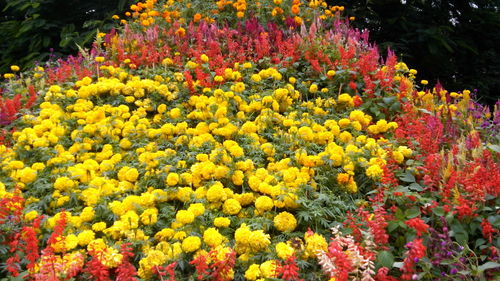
(382, 275)
(96, 269)
(201, 266)
(418, 224)
(416, 251)
(126, 271)
(289, 271)
(488, 230)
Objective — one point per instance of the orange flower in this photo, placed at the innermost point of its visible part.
(295, 9)
(181, 32)
(197, 17)
(298, 20)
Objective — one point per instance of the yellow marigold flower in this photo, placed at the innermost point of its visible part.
(284, 251)
(285, 222)
(197, 209)
(306, 133)
(345, 137)
(70, 242)
(149, 216)
(191, 244)
(237, 177)
(344, 122)
(172, 179)
(218, 78)
(130, 220)
(16, 164)
(256, 78)
(38, 166)
(212, 237)
(9, 75)
(398, 157)
(269, 268)
(253, 272)
(231, 207)
(99, 59)
(204, 58)
(238, 87)
(165, 234)
(330, 73)
(424, 82)
(314, 242)
(31, 215)
(216, 193)
(374, 171)
(184, 216)
(27, 175)
(165, 61)
(87, 214)
(405, 151)
(14, 68)
(85, 237)
(175, 113)
(99, 226)
(131, 175)
(222, 222)
(313, 88)
(264, 203)
(184, 194)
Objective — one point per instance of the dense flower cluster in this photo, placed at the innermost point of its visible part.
(224, 140)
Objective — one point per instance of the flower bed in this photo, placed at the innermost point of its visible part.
(243, 141)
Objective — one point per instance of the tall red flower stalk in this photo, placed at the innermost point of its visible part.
(126, 271)
(221, 268)
(95, 268)
(416, 251)
(289, 271)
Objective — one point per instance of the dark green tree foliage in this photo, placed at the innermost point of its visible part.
(454, 42)
(32, 30)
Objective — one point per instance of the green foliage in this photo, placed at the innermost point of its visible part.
(454, 42)
(34, 30)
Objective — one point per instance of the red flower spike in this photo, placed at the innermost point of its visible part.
(418, 224)
(289, 271)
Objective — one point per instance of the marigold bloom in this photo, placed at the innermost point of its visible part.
(285, 222)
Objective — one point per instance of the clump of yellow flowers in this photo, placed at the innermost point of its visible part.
(141, 159)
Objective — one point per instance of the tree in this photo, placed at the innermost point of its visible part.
(454, 42)
(34, 30)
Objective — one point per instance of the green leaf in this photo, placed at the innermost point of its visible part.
(407, 177)
(412, 212)
(494, 147)
(398, 264)
(392, 226)
(385, 259)
(389, 100)
(462, 238)
(438, 211)
(488, 265)
(415, 187)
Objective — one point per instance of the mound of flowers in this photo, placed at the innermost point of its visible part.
(226, 140)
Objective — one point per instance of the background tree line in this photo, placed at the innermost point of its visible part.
(455, 42)
(34, 30)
